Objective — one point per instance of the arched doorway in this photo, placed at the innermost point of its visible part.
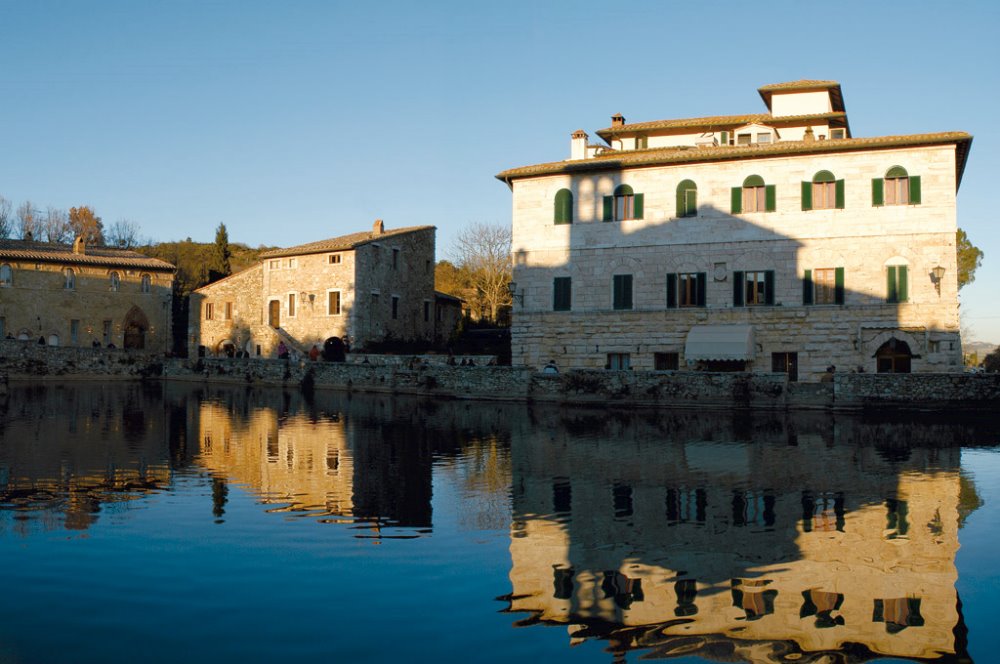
(333, 350)
(893, 357)
(135, 326)
(226, 348)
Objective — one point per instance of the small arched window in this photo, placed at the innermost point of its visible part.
(753, 196)
(6, 276)
(897, 188)
(145, 283)
(623, 204)
(687, 199)
(114, 281)
(823, 192)
(564, 207)
(69, 279)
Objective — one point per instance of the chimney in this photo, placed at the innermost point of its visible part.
(617, 120)
(79, 246)
(809, 137)
(29, 236)
(578, 145)
(378, 227)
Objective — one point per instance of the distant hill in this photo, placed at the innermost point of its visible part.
(982, 348)
(192, 259)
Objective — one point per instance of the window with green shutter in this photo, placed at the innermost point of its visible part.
(823, 192)
(823, 286)
(562, 294)
(621, 297)
(896, 188)
(753, 288)
(623, 205)
(564, 207)
(753, 196)
(897, 286)
(687, 199)
(686, 289)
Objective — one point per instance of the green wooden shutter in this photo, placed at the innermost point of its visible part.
(914, 190)
(878, 192)
(564, 207)
(738, 288)
(769, 287)
(702, 281)
(724, 138)
(609, 208)
(838, 285)
(903, 287)
(839, 187)
(671, 291)
(680, 202)
(807, 195)
(736, 200)
(807, 287)
(890, 284)
(770, 198)
(628, 291)
(638, 206)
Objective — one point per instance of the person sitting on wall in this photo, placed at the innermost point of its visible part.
(282, 351)
(111, 344)
(41, 341)
(314, 353)
(550, 368)
(95, 343)
(827, 377)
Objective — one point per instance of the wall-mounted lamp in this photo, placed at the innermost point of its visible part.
(514, 294)
(937, 274)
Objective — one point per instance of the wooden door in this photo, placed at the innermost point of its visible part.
(274, 313)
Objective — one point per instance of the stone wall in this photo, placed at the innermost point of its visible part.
(24, 360)
(860, 238)
(43, 302)
(237, 315)
(430, 376)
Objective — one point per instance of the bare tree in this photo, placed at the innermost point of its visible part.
(484, 250)
(6, 220)
(28, 223)
(55, 227)
(123, 234)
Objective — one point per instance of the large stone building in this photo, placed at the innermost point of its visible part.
(364, 287)
(770, 241)
(75, 295)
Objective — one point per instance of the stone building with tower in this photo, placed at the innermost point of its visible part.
(84, 296)
(349, 290)
(773, 241)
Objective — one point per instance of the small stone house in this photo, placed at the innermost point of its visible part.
(350, 290)
(769, 241)
(83, 296)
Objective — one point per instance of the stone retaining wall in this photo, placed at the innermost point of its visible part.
(31, 362)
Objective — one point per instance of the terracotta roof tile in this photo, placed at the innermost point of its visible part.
(341, 243)
(63, 253)
(693, 155)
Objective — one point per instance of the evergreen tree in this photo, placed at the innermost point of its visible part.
(221, 253)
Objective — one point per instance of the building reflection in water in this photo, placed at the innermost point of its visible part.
(739, 539)
(69, 455)
(368, 461)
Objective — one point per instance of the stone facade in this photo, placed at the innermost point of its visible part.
(74, 295)
(361, 288)
(818, 281)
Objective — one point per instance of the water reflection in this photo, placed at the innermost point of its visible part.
(727, 536)
(68, 455)
(741, 538)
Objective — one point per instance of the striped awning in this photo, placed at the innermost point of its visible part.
(719, 342)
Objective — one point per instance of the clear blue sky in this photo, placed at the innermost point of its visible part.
(297, 121)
